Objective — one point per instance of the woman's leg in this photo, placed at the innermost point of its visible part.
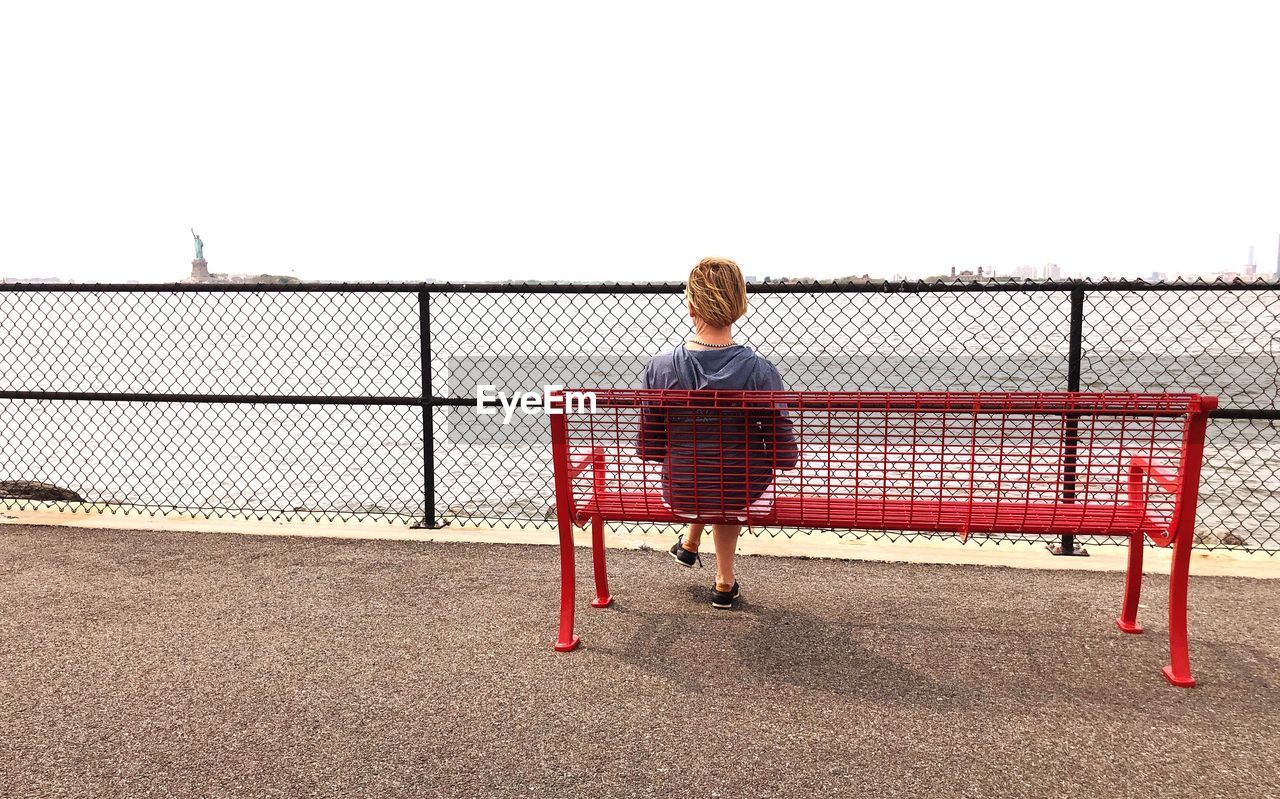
(726, 538)
(693, 539)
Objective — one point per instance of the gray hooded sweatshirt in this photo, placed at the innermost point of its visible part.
(715, 460)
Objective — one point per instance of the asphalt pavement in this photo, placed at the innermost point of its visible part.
(159, 664)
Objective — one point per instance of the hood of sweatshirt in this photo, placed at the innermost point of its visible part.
(730, 369)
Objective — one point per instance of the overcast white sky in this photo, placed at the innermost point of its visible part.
(485, 141)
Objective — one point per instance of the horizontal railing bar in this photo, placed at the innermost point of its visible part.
(830, 287)
(815, 287)
(1264, 414)
(214, 288)
(1245, 413)
(213, 399)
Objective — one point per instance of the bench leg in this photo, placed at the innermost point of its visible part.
(1128, 621)
(566, 639)
(1178, 672)
(603, 599)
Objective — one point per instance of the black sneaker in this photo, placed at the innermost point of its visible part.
(683, 556)
(723, 600)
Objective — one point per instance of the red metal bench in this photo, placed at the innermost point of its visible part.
(961, 463)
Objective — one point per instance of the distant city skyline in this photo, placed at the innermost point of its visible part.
(1047, 271)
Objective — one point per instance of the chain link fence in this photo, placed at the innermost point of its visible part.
(357, 401)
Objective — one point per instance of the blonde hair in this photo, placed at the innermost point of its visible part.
(716, 292)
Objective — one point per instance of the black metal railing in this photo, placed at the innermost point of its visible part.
(351, 400)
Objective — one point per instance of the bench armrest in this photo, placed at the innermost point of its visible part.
(580, 465)
(1159, 475)
(593, 460)
(1164, 480)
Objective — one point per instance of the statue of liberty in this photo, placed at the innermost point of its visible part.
(199, 244)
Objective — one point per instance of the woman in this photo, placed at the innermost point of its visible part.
(718, 461)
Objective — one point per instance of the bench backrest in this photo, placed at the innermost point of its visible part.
(1092, 453)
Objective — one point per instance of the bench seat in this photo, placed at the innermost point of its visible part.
(1050, 518)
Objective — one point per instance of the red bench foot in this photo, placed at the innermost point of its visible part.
(1130, 628)
(602, 602)
(568, 646)
(1182, 682)
(1133, 628)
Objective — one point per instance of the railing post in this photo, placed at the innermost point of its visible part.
(1075, 339)
(428, 409)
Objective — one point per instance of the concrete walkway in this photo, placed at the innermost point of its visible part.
(157, 664)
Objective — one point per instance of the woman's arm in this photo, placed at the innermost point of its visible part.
(651, 442)
(776, 433)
